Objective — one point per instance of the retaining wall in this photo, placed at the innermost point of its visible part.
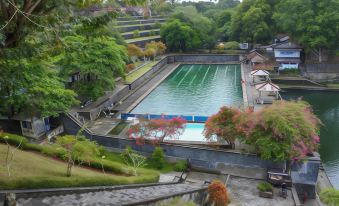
(199, 157)
(203, 58)
(321, 71)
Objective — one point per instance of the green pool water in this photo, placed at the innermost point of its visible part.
(195, 90)
(326, 107)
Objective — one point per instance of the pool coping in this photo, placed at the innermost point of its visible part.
(141, 98)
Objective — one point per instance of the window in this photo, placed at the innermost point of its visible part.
(26, 125)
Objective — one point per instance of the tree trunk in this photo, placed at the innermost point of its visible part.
(320, 55)
(69, 167)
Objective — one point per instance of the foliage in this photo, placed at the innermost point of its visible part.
(253, 21)
(232, 45)
(150, 53)
(130, 67)
(313, 24)
(156, 130)
(330, 197)
(218, 193)
(133, 160)
(264, 187)
(77, 149)
(158, 158)
(223, 125)
(176, 202)
(282, 131)
(27, 76)
(202, 26)
(179, 36)
(136, 33)
(220, 46)
(98, 63)
(158, 47)
(34, 171)
(134, 51)
(180, 166)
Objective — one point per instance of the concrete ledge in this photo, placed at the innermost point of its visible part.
(147, 202)
(25, 193)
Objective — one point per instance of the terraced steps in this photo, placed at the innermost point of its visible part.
(125, 196)
(141, 41)
(143, 21)
(146, 30)
(140, 27)
(137, 18)
(144, 33)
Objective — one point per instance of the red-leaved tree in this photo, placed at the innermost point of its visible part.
(218, 194)
(223, 125)
(156, 130)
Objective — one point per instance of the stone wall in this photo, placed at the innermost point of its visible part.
(204, 58)
(321, 71)
(198, 157)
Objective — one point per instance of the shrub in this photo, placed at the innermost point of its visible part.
(220, 46)
(180, 166)
(53, 151)
(136, 33)
(130, 67)
(218, 193)
(231, 45)
(14, 140)
(330, 197)
(264, 187)
(157, 25)
(33, 147)
(158, 158)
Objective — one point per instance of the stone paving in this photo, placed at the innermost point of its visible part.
(244, 192)
(114, 197)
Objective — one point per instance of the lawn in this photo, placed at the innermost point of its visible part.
(138, 73)
(118, 129)
(32, 170)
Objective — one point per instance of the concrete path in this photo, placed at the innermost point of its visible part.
(141, 91)
(115, 197)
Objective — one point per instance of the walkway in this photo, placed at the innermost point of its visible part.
(114, 197)
(137, 95)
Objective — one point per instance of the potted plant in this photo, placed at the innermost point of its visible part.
(265, 190)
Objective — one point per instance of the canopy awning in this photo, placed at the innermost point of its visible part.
(267, 87)
(259, 73)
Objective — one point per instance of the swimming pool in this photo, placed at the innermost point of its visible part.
(193, 133)
(196, 89)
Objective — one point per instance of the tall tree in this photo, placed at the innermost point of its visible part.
(253, 21)
(98, 61)
(179, 36)
(30, 85)
(313, 24)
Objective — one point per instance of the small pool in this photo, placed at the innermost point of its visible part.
(193, 133)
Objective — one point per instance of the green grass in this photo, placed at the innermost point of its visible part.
(32, 170)
(118, 129)
(142, 39)
(142, 31)
(138, 73)
(330, 197)
(333, 85)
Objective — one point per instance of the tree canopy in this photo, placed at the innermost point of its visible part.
(99, 61)
(313, 24)
(285, 130)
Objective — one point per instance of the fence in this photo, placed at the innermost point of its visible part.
(192, 118)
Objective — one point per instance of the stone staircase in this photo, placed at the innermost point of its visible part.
(142, 195)
(139, 31)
